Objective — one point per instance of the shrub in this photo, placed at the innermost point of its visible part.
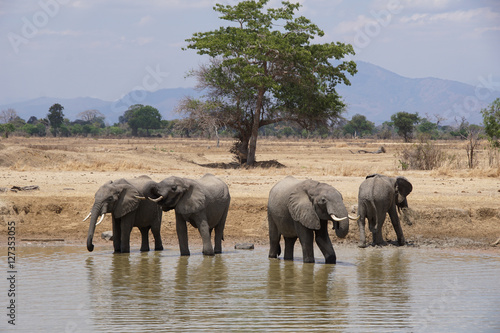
(421, 156)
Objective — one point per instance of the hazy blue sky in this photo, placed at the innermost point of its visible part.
(104, 49)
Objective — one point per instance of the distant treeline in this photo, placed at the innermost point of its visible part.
(145, 121)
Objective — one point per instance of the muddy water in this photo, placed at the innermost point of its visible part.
(67, 289)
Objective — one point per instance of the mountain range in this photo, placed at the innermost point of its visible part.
(374, 92)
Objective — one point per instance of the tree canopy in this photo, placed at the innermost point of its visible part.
(359, 126)
(144, 117)
(265, 69)
(56, 117)
(491, 120)
(404, 123)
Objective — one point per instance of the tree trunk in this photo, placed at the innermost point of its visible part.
(252, 146)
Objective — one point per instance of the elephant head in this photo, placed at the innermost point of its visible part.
(118, 197)
(312, 201)
(402, 188)
(177, 193)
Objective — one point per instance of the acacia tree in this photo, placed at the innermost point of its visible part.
(404, 123)
(265, 69)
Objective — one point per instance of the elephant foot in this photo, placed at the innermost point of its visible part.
(159, 248)
(218, 251)
(308, 260)
(401, 242)
(145, 249)
(362, 245)
(208, 253)
(331, 259)
(185, 254)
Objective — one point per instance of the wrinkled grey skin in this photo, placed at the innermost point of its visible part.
(122, 198)
(301, 209)
(379, 195)
(203, 202)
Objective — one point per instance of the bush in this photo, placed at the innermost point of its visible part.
(421, 156)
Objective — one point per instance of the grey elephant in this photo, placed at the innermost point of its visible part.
(203, 202)
(301, 209)
(379, 195)
(124, 199)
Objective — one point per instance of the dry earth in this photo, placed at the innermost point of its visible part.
(452, 206)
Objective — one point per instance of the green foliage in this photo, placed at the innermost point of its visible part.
(142, 117)
(55, 117)
(6, 129)
(428, 128)
(265, 69)
(404, 123)
(359, 126)
(491, 120)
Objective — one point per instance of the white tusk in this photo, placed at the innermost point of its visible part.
(338, 219)
(353, 218)
(85, 219)
(139, 197)
(157, 199)
(102, 218)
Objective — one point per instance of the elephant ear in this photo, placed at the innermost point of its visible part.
(128, 200)
(193, 198)
(301, 208)
(402, 188)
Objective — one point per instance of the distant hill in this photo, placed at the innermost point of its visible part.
(378, 93)
(374, 92)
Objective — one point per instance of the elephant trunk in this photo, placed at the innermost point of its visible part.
(94, 214)
(341, 226)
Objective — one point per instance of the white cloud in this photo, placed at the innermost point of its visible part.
(347, 27)
(145, 20)
(459, 16)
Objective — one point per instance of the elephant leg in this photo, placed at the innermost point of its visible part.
(182, 235)
(306, 238)
(117, 234)
(289, 245)
(155, 229)
(274, 239)
(377, 232)
(126, 229)
(144, 238)
(204, 230)
(361, 227)
(325, 244)
(393, 214)
(219, 233)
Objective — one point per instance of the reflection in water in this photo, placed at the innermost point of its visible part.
(127, 292)
(306, 295)
(67, 289)
(383, 284)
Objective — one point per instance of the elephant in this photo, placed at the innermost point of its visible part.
(124, 199)
(203, 202)
(302, 208)
(379, 195)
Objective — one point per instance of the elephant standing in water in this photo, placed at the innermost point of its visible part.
(124, 199)
(204, 203)
(301, 209)
(379, 195)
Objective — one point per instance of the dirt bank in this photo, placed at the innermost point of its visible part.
(450, 207)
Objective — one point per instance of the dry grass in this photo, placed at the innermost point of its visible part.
(69, 171)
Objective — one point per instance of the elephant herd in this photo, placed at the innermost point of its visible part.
(296, 209)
